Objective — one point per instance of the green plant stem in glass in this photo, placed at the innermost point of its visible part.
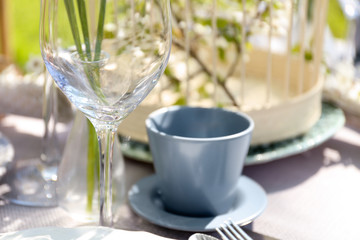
(92, 165)
(93, 152)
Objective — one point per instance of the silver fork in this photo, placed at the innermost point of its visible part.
(231, 231)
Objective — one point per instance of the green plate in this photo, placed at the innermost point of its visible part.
(332, 119)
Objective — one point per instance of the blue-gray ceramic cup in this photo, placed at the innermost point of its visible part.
(198, 155)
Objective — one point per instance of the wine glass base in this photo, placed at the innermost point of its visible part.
(6, 154)
(28, 186)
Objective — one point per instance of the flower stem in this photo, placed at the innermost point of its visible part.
(92, 165)
(100, 30)
(104, 138)
(70, 9)
(84, 27)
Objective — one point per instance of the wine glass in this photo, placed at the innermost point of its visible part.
(105, 56)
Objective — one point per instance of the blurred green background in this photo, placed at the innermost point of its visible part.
(24, 27)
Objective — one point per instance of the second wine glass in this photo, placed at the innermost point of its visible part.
(105, 56)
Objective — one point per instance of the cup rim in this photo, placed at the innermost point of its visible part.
(246, 131)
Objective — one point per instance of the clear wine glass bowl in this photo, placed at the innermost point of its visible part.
(105, 56)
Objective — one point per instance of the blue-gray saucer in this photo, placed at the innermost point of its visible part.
(145, 201)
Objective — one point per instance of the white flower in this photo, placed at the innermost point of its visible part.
(202, 30)
(222, 43)
(110, 27)
(35, 65)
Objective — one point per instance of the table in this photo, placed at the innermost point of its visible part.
(313, 195)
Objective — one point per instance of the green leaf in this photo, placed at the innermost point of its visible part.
(308, 55)
(337, 21)
(121, 50)
(109, 34)
(221, 53)
(249, 46)
(175, 82)
(180, 101)
(202, 91)
(222, 23)
(220, 105)
(278, 5)
(168, 71)
(296, 48)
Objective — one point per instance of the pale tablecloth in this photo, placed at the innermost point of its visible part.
(311, 196)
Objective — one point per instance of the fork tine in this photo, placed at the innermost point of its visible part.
(227, 234)
(231, 227)
(240, 231)
(222, 235)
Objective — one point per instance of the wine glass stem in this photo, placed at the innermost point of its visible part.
(51, 152)
(106, 138)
